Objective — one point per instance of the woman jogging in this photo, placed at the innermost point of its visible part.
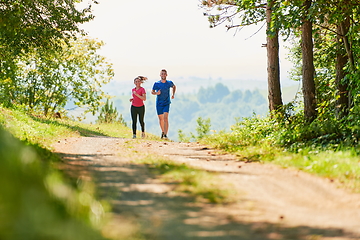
(137, 105)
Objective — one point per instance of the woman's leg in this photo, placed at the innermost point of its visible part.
(134, 119)
(141, 118)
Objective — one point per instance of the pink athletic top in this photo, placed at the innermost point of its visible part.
(137, 102)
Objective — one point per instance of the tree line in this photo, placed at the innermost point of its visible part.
(325, 41)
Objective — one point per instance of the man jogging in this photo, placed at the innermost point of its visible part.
(162, 90)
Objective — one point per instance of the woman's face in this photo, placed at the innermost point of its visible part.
(137, 82)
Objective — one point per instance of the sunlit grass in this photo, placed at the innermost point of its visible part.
(37, 202)
(196, 182)
(26, 128)
(44, 132)
(342, 166)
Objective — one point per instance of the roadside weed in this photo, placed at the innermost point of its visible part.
(196, 182)
(266, 140)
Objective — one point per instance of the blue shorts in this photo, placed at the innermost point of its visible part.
(161, 109)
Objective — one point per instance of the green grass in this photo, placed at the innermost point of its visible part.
(341, 166)
(44, 132)
(37, 202)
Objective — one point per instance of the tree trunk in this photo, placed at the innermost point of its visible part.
(308, 70)
(344, 29)
(273, 68)
(342, 108)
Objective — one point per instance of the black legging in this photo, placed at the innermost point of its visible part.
(138, 111)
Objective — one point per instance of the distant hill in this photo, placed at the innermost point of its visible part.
(222, 101)
(192, 84)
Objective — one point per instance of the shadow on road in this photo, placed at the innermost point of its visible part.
(136, 194)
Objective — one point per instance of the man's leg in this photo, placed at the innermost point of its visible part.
(166, 119)
(161, 122)
(166, 122)
(163, 113)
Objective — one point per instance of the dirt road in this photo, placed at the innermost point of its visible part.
(274, 203)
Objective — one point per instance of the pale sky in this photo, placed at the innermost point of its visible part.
(144, 36)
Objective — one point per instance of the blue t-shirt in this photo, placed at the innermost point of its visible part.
(164, 97)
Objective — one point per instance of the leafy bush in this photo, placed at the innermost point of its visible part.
(289, 130)
(35, 201)
(109, 114)
(250, 131)
(202, 129)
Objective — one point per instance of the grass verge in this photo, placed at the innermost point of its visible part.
(44, 132)
(341, 166)
(202, 185)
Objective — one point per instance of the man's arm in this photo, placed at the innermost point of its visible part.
(153, 92)
(173, 92)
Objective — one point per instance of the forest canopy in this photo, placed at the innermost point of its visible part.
(46, 61)
(325, 51)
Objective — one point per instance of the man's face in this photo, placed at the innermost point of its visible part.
(163, 75)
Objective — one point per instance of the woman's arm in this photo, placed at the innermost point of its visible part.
(142, 97)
